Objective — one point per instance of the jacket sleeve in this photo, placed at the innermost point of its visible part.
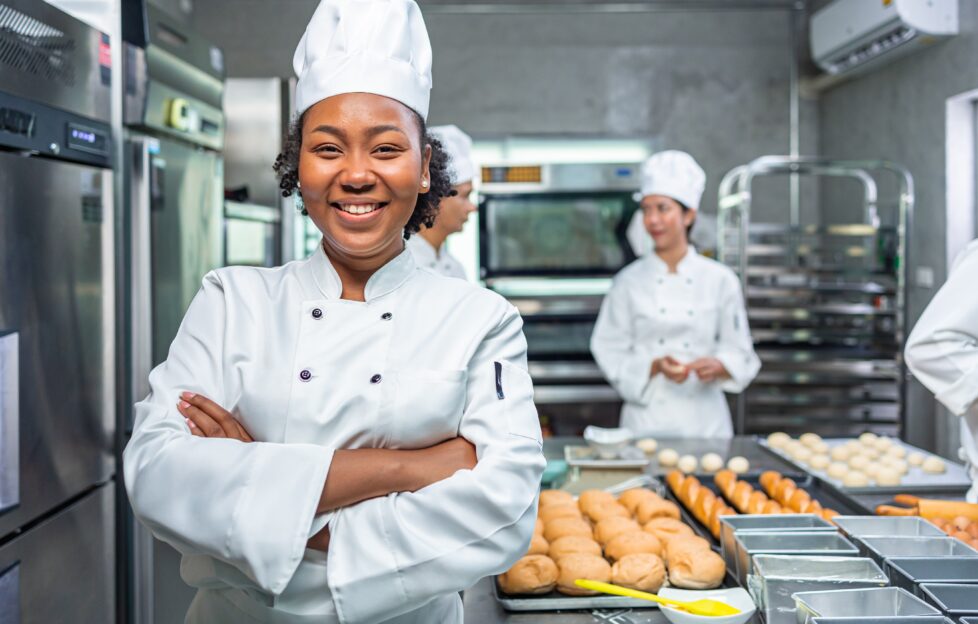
(249, 505)
(627, 368)
(391, 555)
(735, 348)
(942, 350)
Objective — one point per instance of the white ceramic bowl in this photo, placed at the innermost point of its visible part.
(735, 597)
(607, 443)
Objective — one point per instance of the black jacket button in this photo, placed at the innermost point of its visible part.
(305, 374)
(375, 379)
(317, 313)
(386, 316)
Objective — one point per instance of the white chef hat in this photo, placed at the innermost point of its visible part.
(674, 174)
(364, 46)
(458, 145)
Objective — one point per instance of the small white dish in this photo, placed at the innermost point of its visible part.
(736, 597)
(607, 443)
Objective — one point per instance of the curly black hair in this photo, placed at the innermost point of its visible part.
(425, 210)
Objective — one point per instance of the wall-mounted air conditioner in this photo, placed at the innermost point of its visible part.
(855, 35)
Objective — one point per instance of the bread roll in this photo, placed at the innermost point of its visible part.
(538, 528)
(688, 489)
(738, 464)
(741, 495)
(810, 439)
(664, 529)
(591, 497)
(933, 465)
(837, 470)
(631, 499)
(840, 453)
(675, 480)
(768, 479)
(610, 527)
(573, 567)
(702, 504)
(552, 512)
(647, 445)
(598, 512)
(632, 543)
(562, 527)
(555, 497)
(696, 569)
(644, 572)
(859, 462)
(657, 509)
(683, 543)
(820, 462)
(867, 438)
(711, 462)
(725, 480)
(668, 458)
(778, 439)
(538, 545)
(688, 463)
(855, 478)
(887, 476)
(573, 545)
(533, 574)
(755, 504)
(916, 459)
(897, 451)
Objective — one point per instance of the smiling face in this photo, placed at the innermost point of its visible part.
(666, 221)
(361, 168)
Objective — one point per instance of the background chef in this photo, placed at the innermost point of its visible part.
(672, 333)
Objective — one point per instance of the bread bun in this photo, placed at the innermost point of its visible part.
(778, 439)
(642, 571)
(668, 458)
(657, 509)
(632, 543)
(631, 499)
(538, 528)
(664, 529)
(610, 527)
(538, 546)
(738, 464)
(688, 463)
(692, 569)
(711, 462)
(552, 512)
(573, 567)
(598, 512)
(573, 545)
(591, 497)
(555, 497)
(562, 527)
(683, 543)
(533, 574)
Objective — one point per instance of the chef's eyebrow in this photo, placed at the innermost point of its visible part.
(371, 132)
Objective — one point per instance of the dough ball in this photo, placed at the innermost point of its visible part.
(573, 567)
(632, 498)
(840, 453)
(837, 470)
(801, 454)
(664, 529)
(562, 527)
(668, 458)
(608, 528)
(632, 544)
(855, 478)
(887, 476)
(738, 465)
(573, 545)
(871, 452)
(916, 459)
(868, 437)
(820, 462)
(882, 444)
(593, 497)
(657, 509)
(597, 512)
(556, 497)
(899, 465)
(873, 470)
(810, 439)
(641, 571)
(933, 465)
(820, 448)
(778, 439)
(552, 512)
(533, 574)
(647, 445)
(687, 464)
(711, 462)
(692, 569)
(896, 451)
(859, 462)
(538, 545)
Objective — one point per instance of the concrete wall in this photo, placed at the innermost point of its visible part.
(898, 113)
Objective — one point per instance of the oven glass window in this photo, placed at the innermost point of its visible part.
(251, 243)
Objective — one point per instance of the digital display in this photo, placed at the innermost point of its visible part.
(81, 135)
(87, 139)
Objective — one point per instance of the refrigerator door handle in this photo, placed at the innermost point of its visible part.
(9, 421)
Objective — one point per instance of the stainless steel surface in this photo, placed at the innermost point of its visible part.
(777, 577)
(896, 619)
(893, 526)
(9, 421)
(784, 523)
(882, 548)
(55, 291)
(909, 572)
(48, 56)
(251, 235)
(574, 394)
(257, 114)
(560, 177)
(954, 600)
(866, 603)
(815, 543)
(582, 456)
(64, 566)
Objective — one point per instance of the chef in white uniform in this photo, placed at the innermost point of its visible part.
(672, 334)
(349, 437)
(428, 246)
(942, 352)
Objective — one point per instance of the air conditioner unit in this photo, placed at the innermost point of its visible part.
(848, 36)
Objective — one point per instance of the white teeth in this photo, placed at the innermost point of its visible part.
(358, 209)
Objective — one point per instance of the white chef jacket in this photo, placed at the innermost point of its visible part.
(422, 360)
(942, 351)
(438, 260)
(698, 311)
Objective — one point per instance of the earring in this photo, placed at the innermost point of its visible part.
(424, 183)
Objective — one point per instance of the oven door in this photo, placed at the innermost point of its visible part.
(252, 235)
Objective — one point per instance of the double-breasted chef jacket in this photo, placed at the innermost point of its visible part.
(649, 313)
(423, 359)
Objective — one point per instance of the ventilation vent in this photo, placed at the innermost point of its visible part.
(33, 47)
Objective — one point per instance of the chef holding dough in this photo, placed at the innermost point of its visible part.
(349, 437)
(942, 352)
(672, 334)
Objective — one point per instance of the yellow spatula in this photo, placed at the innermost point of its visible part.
(713, 608)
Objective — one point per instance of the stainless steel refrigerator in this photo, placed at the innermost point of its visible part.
(174, 190)
(57, 321)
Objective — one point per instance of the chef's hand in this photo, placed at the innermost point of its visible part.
(709, 369)
(207, 419)
(671, 368)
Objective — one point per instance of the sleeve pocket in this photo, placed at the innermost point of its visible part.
(515, 388)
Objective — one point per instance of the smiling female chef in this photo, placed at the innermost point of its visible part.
(672, 334)
(428, 246)
(380, 450)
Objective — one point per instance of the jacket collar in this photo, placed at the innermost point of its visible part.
(388, 278)
(683, 268)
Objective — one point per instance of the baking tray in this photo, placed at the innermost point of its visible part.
(894, 619)
(865, 603)
(886, 526)
(582, 456)
(916, 480)
(814, 544)
(786, 523)
(882, 548)
(954, 600)
(910, 572)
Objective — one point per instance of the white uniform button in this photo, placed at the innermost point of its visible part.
(305, 374)
(376, 379)
(317, 313)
